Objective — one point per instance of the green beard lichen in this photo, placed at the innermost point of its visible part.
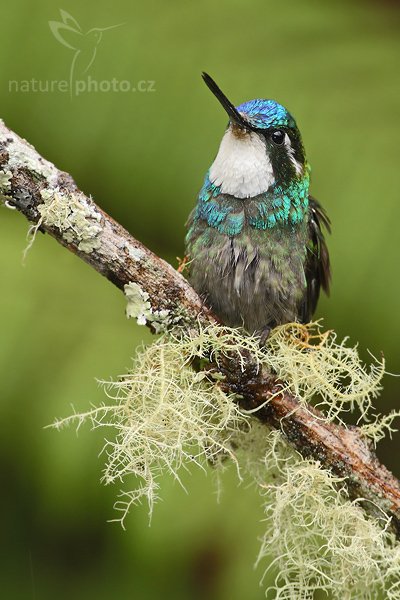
(167, 417)
(315, 537)
(170, 418)
(318, 369)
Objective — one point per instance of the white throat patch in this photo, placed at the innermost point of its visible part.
(242, 167)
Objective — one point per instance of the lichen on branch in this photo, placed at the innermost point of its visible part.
(169, 417)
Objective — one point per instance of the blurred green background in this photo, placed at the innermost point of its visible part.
(143, 156)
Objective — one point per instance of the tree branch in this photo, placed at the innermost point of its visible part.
(50, 199)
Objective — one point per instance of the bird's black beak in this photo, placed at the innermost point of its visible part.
(234, 115)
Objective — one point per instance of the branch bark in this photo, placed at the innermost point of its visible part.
(35, 187)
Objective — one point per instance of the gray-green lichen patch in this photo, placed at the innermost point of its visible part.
(135, 254)
(23, 155)
(5, 184)
(138, 307)
(77, 220)
(75, 217)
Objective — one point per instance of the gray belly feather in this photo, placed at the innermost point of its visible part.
(255, 279)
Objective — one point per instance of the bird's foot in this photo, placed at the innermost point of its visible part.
(182, 263)
(264, 335)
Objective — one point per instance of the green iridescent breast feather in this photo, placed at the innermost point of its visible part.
(280, 206)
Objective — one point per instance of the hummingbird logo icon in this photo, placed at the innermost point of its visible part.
(83, 43)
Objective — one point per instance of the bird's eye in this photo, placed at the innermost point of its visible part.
(278, 137)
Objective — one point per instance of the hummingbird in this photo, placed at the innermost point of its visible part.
(255, 242)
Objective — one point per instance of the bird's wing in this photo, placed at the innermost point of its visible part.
(317, 268)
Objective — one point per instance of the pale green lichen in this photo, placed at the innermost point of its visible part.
(72, 214)
(5, 184)
(315, 537)
(138, 307)
(76, 219)
(318, 369)
(380, 426)
(5, 180)
(216, 342)
(23, 155)
(310, 363)
(169, 418)
(135, 254)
